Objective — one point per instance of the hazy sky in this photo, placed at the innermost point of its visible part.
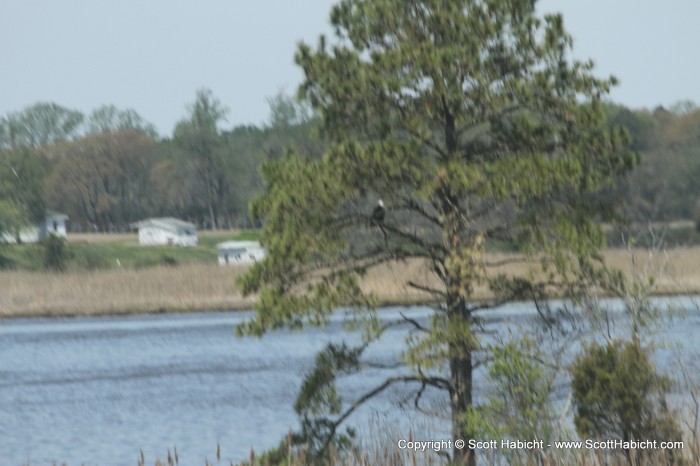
(152, 55)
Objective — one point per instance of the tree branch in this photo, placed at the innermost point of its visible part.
(438, 382)
(413, 205)
(427, 289)
(415, 323)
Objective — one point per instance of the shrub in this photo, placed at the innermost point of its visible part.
(55, 253)
(519, 404)
(168, 260)
(619, 395)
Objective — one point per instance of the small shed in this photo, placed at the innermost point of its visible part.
(240, 252)
(166, 231)
(53, 223)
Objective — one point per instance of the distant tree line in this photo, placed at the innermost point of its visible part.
(111, 168)
(666, 184)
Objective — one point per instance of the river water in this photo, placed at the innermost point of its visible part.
(101, 390)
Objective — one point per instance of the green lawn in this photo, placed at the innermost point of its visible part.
(120, 252)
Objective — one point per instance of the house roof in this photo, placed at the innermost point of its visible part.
(238, 245)
(166, 223)
(53, 215)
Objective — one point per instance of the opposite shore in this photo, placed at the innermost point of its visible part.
(210, 287)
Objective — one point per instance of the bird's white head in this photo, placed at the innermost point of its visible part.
(380, 203)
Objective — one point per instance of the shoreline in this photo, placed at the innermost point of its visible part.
(239, 307)
(212, 288)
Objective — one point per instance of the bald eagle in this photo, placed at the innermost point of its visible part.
(378, 212)
(378, 218)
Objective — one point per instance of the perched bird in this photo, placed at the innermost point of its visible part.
(378, 218)
(378, 212)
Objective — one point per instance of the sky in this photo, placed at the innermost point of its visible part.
(153, 55)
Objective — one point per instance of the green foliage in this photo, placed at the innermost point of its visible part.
(102, 179)
(84, 257)
(110, 119)
(641, 126)
(318, 392)
(55, 253)
(519, 405)
(664, 186)
(286, 112)
(116, 253)
(618, 394)
(683, 107)
(21, 190)
(471, 124)
(319, 440)
(6, 263)
(319, 401)
(199, 135)
(11, 218)
(39, 125)
(168, 260)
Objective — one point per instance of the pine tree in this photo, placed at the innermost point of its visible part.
(470, 122)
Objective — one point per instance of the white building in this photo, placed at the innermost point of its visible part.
(166, 231)
(53, 223)
(240, 252)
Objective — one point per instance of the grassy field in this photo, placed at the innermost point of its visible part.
(107, 251)
(114, 275)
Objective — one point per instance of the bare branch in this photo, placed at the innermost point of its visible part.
(413, 205)
(438, 382)
(440, 294)
(503, 262)
(415, 323)
(434, 249)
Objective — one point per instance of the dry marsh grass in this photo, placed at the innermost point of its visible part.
(211, 287)
(117, 291)
(382, 453)
(676, 271)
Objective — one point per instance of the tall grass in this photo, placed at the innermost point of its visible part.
(384, 451)
(118, 291)
(207, 286)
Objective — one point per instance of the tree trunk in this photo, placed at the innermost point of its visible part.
(460, 384)
(460, 345)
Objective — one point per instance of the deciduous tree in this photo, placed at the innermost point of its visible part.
(199, 135)
(110, 119)
(21, 189)
(102, 180)
(40, 124)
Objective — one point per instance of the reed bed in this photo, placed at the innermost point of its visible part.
(388, 454)
(196, 286)
(675, 271)
(119, 291)
(391, 456)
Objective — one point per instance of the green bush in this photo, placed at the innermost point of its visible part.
(519, 403)
(7, 263)
(618, 395)
(55, 253)
(168, 260)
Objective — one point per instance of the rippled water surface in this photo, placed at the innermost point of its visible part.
(100, 390)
